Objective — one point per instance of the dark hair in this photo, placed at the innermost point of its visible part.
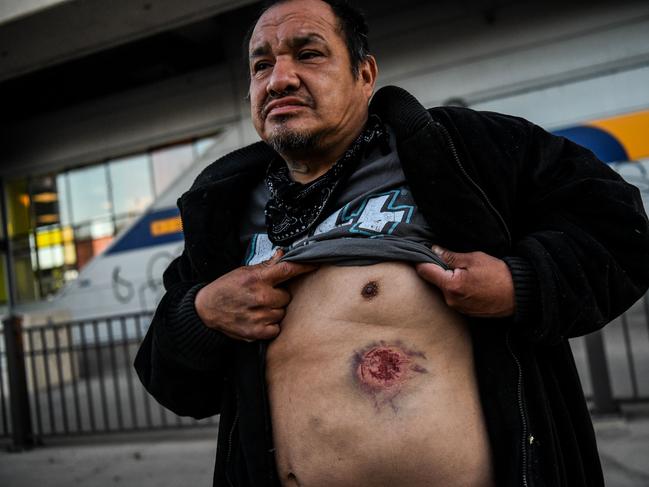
(351, 23)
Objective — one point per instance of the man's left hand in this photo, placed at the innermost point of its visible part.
(476, 285)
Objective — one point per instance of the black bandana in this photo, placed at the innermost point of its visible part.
(294, 208)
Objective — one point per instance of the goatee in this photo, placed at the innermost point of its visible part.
(286, 141)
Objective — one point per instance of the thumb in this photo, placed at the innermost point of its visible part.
(280, 272)
(275, 258)
(434, 274)
(451, 259)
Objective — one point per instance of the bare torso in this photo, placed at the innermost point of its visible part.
(372, 383)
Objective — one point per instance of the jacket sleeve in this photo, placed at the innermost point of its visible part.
(581, 239)
(181, 362)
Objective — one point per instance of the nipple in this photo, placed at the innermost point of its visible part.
(370, 290)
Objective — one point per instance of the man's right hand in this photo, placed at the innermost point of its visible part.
(246, 304)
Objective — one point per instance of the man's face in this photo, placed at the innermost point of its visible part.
(302, 91)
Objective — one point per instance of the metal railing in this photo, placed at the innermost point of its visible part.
(624, 361)
(81, 380)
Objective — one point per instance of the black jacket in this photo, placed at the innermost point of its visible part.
(575, 237)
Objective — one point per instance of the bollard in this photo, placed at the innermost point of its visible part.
(21, 425)
(599, 377)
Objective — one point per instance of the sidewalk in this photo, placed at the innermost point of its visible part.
(186, 457)
(624, 450)
(169, 459)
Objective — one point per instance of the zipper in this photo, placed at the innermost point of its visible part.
(227, 457)
(475, 185)
(522, 412)
(519, 388)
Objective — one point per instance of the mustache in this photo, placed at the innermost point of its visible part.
(304, 99)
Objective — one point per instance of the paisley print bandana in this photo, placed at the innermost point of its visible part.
(294, 208)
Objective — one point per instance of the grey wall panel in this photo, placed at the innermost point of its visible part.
(73, 29)
(523, 51)
(186, 107)
(14, 9)
(552, 65)
(573, 103)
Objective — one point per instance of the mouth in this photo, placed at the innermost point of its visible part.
(284, 106)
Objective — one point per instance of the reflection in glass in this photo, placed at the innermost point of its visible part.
(92, 238)
(4, 296)
(131, 185)
(201, 146)
(57, 223)
(45, 200)
(169, 163)
(64, 200)
(18, 208)
(89, 194)
(24, 260)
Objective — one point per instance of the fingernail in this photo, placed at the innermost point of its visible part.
(436, 250)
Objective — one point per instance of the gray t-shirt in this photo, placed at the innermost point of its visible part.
(375, 219)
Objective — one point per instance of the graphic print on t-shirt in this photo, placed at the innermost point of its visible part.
(372, 216)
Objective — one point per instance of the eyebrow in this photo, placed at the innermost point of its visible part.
(294, 43)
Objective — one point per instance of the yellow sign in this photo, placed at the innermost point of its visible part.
(166, 226)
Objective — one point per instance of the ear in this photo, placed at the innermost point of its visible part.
(367, 74)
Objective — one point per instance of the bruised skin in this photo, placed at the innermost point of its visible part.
(381, 370)
(371, 384)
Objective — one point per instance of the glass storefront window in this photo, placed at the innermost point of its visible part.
(169, 163)
(18, 208)
(89, 194)
(131, 185)
(24, 260)
(201, 146)
(20, 228)
(64, 200)
(58, 222)
(91, 238)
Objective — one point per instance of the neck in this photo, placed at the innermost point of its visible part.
(305, 168)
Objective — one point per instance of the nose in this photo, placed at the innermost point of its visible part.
(284, 77)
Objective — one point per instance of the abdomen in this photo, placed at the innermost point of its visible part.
(371, 382)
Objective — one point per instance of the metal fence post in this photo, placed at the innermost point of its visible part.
(598, 366)
(21, 425)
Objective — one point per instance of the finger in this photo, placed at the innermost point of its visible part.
(451, 259)
(435, 274)
(273, 316)
(277, 255)
(278, 298)
(284, 271)
(267, 332)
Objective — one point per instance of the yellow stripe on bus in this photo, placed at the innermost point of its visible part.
(166, 226)
(631, 130)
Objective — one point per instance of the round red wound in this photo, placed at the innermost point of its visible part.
(383, 367)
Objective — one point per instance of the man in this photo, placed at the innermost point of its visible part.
(346, 351)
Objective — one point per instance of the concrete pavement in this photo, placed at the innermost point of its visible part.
(186, 457)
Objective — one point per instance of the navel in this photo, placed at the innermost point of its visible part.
(292, 479)
(370, 290)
